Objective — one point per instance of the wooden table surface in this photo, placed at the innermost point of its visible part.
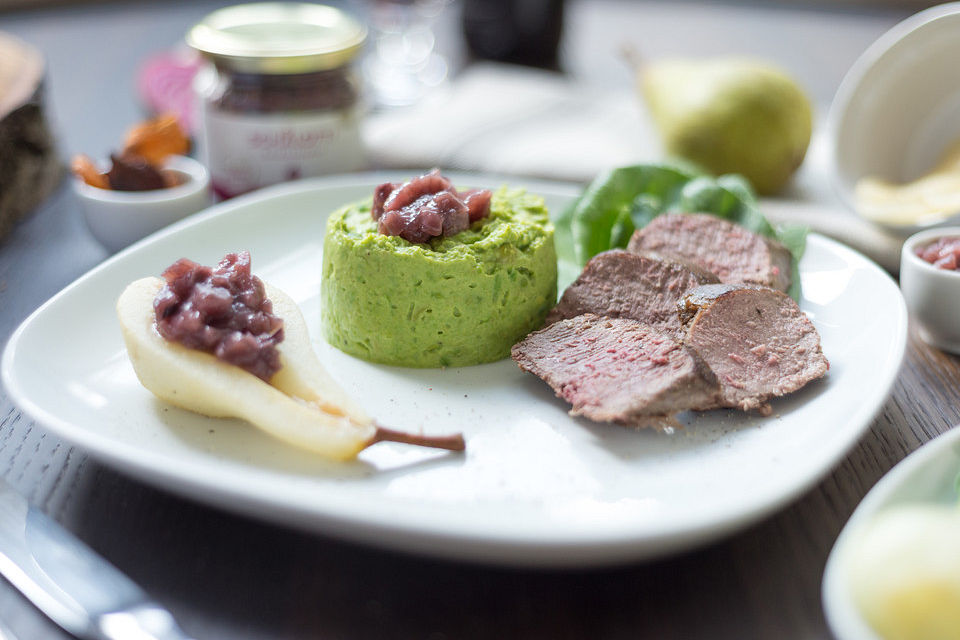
(229, 577)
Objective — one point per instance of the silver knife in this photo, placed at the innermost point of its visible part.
(70, 583)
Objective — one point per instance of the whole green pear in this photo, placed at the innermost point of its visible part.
(730, 115)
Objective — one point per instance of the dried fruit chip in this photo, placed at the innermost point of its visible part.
(156, 139)
(138, 166)
(84, 168)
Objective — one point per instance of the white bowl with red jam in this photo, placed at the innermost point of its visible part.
(120, 218)
(930, 281)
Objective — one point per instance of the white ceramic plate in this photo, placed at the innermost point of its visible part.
(535, 486)
(929, 476)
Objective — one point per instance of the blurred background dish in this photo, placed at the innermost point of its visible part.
(30, 166)
(920, 486)
(895, 116)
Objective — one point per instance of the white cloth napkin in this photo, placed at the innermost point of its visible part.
(514, 120)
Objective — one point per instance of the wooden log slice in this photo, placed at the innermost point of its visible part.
(30, 167)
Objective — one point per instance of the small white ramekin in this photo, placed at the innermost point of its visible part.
(120, 218)
(932, 294)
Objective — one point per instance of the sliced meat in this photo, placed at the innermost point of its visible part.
(621, 284)
(756, 340)
(617, 370)
(735, 254)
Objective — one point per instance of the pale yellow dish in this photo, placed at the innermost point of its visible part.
(904, 572)
(927, 200)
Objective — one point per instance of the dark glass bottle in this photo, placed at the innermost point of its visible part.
(523, 32)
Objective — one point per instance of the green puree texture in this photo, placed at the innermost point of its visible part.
(454, 301)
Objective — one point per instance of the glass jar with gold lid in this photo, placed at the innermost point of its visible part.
(278, 99)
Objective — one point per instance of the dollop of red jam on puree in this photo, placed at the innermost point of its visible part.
(427, 207)
(223, 311)
(942, 252)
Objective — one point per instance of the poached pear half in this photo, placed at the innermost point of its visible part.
(301, 404)
(730, 115)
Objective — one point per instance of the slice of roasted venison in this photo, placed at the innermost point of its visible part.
(732, 252)
(756, 340)
(617, 370)
(621, 284)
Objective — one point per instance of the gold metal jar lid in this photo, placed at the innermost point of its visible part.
(278, 37)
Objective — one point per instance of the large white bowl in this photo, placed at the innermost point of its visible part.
(120, 218)
(898, 108)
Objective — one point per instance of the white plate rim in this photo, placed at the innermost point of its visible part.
(575, 551)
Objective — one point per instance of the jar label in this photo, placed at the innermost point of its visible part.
(244, 151)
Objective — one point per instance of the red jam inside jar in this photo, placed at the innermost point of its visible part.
(278, 96)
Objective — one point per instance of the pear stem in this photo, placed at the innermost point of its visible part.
(453, 442)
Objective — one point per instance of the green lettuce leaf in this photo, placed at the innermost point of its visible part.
(621, 200)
